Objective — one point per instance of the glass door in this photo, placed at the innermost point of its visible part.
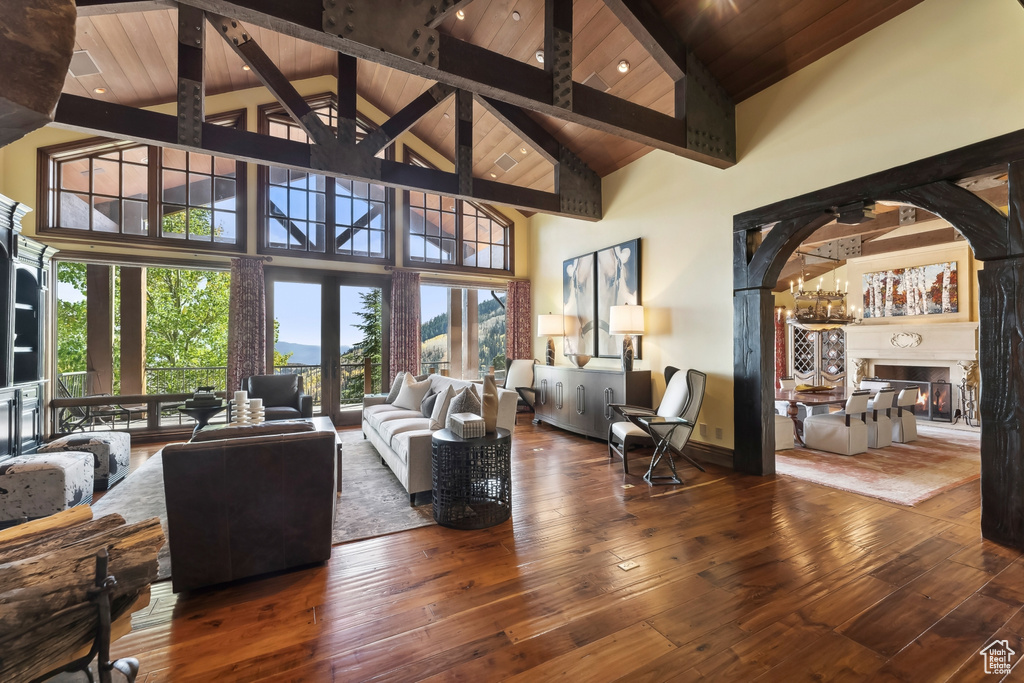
(298, 331)
(361, 311)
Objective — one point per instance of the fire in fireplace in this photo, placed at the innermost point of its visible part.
(935, 401)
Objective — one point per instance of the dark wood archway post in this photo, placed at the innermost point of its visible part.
(997, 240)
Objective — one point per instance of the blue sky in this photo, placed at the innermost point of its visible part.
(297, 308)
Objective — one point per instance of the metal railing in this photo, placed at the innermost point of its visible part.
(185, 380)
(74, 382)
(312, 378)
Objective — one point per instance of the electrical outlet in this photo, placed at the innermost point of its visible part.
(703, 429)
(718, 433)
(629, 564)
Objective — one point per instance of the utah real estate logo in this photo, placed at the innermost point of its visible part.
(998, 657)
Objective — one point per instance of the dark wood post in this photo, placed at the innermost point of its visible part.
(133, 330)
(99, 329)
(753, 336)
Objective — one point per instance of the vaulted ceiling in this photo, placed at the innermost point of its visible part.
(747, 45)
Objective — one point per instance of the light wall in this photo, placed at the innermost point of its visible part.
(944, 74)
(18, 174)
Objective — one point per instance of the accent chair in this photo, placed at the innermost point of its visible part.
(283, 397)
(904, 423)
(845, 432)
(880, 420)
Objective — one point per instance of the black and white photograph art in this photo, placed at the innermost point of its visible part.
(618, 283)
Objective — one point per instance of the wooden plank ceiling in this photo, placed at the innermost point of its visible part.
(747, 45)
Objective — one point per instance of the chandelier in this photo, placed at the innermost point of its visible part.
(820, 309)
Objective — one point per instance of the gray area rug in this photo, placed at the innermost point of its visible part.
(372, 501)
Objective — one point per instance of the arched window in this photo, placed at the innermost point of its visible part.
(117, 190)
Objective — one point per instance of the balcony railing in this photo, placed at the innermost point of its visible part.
(185, 380)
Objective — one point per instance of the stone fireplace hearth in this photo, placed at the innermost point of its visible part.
(916, 353)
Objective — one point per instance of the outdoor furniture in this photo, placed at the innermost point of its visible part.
(283, 397)
(519, 378)
(904, 424)
(879, 421)
(683, 397)
(39, 485)
(71, 418)
(111, 454)
(845, 432)
(472, 479)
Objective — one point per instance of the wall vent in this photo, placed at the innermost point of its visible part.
(596, 82)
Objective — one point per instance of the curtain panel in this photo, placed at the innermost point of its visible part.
(405, 323)
(518, 323)
(247, 322)
(780, 345)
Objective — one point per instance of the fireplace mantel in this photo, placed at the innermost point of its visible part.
(947, 343)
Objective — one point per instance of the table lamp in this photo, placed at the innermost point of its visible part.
(626, 320)
(550, 325)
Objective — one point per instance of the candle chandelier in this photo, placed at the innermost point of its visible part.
(820, 309)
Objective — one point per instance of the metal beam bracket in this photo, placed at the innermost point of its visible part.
(561, 69)
(709, 112)
(579, 187)
(398, 27)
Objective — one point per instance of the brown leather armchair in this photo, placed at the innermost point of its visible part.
(240, 507)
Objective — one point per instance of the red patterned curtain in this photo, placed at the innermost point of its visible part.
(780, 344)
(405, 322)
(518, 326)
(247, 322)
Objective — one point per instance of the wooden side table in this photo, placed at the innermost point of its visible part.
(472, 479)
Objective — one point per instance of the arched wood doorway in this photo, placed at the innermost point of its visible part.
(997, 240)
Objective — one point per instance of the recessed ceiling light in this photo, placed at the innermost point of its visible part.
(460, 15)
(623, 66)
(522, 150)
(516, 16)
(494, 175)
(245, 67)
(447, 115)
(540, 56)
(99, 91)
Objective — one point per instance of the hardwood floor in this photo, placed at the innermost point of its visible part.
(739, 578)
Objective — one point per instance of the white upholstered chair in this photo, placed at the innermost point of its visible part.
(880, 420)
(802, 411)
(684, 394)
(519, 378)
(845, 432)
(784, 433)
(904, 422)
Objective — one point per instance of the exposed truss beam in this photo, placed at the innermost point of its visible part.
(406, 118)
(558, 50)
(386, 32)
(649, 28)
(94, 8)
(147, 127)
(528, 129)
(464, 140)
(191, 84)
(448, 8)
(346, 92)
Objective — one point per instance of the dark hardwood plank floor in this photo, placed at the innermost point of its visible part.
(739, 579)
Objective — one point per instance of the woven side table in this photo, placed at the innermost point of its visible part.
(472, 479)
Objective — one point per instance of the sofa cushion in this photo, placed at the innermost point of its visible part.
(396, 386)
(378, 419)
(281, 413)
(265, 428)
(427, 404)
(411, 394)
(388, 430)
(466, 401)
(275, 390)
(400, 444)
(379, 408)
(440, 412)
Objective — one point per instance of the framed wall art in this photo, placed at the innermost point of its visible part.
(919, 290)
(578, 305)
(618, 283)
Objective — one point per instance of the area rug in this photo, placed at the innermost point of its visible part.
(906, 474)
(372, 501)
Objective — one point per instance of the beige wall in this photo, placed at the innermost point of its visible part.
(940, 76)
(18, 173)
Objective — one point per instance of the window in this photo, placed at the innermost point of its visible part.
(454, 233)
(111, 190)
(462, 331)
(304, 213)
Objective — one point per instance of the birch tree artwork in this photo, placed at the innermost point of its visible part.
(920, 290)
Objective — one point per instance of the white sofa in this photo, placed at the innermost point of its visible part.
(402, 437)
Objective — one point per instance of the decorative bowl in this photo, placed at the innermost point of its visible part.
(579, 359)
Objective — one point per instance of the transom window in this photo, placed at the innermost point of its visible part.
(111, 190)
(304, 213)
(454, 233)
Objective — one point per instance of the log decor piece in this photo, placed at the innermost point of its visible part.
(68, 585)
(35, 50)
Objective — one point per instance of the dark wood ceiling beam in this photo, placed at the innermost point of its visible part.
(406, 118)
(191, 83)
(525, 127)
(96, 8)
(242, 43)
(558, 50)
(96, 117)
(481, 71)
(464, 140)
(652, 32)
(346, 91)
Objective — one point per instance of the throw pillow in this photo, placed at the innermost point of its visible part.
(396, 386)
(464, 402)
(427, 404)
(440, 412)
(411, 394)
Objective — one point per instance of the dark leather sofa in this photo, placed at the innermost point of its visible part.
(245, 506)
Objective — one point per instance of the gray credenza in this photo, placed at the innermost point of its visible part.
(577, 398)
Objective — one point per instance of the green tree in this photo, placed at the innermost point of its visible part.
(71, 319)
(187, 318)
(369, 347)
(280, 359)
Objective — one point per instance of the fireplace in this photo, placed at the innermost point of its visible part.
(936, 391)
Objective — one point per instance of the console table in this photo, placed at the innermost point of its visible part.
(577, 398)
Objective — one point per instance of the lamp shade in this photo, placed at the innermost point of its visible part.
(626, 320)
(549, 325)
